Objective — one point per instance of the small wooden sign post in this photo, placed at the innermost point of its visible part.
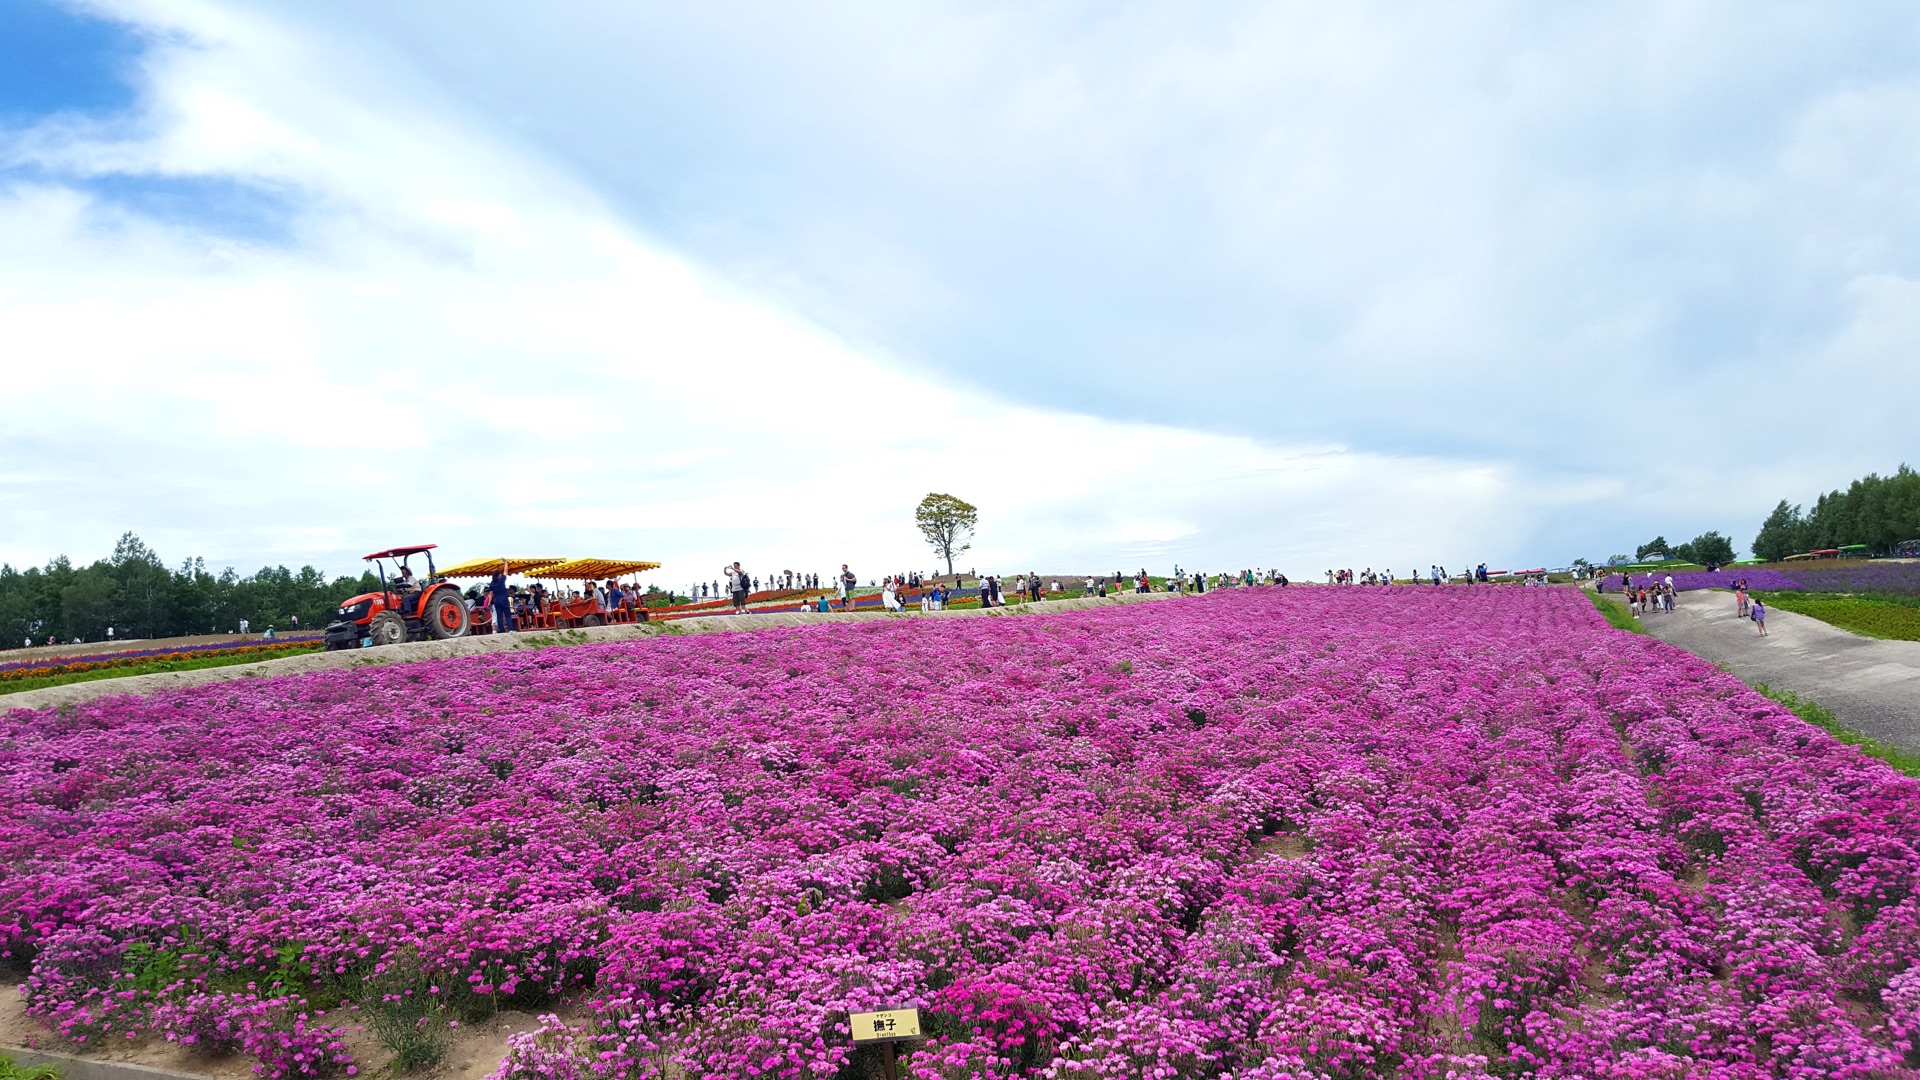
(886, 1027)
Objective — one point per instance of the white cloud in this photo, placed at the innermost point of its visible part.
(700, 283)
(466, 347)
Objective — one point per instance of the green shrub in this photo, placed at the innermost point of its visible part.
(407, 1013)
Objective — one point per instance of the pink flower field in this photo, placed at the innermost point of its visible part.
(1307, 832)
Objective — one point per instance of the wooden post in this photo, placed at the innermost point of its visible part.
(893, 1072)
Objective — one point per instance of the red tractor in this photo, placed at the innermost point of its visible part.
(404, 609)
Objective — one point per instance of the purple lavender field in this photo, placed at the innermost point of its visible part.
(1838, 576)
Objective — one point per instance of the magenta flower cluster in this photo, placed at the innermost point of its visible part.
(1261, 834)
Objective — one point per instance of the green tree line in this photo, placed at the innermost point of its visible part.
(1878, 511)
(140, 597)
(1707, 549)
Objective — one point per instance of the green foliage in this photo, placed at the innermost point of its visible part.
(947, 522)
(1878, 511)
(1895, 618)
(1707, 548)
(1655, 546)
(1822, 717)
(150, 968)
(1616, 614)
(1780, 534)
(1665, 566)
(10, 1071)
(408, 1014)
(135, 593)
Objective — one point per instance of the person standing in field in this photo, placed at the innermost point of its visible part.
(502, 603)
(847, 581)
(1739, 600)
(1760, 617)
(737, 585)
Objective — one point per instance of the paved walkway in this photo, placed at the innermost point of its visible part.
(1873, 686)
(70, 693)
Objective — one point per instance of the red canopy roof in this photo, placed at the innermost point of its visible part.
(399, 552)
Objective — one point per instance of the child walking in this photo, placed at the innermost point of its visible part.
(1760, 617)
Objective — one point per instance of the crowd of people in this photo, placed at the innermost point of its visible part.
(513, 607)
(1650, 595)
(784, 581)
(1659, 596)
(1436, 575)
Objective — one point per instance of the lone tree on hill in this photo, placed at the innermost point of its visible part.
(947, 522)
(1655, 546)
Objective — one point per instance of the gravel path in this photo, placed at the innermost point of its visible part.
(1873, 686)
(430, 650)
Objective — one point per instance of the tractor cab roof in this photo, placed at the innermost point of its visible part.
(399, 552)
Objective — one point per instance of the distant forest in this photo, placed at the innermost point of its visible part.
(140, 597)
(1881, 512)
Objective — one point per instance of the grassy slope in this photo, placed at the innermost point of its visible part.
(1821, 717)
(1895, 618)
(1616, 613)
(14, 686)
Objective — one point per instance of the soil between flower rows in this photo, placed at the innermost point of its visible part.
(1263, 833)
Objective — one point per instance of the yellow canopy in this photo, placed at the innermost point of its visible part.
(593, 569)
(486, 567)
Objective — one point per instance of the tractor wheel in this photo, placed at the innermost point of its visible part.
(446, 616)
(591, 620)
(387, 628)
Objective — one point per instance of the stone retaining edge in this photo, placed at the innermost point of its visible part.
(79, 1068)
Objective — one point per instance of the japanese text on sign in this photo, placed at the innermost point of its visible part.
(890, 1024)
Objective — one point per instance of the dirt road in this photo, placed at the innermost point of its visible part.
(1873, 686)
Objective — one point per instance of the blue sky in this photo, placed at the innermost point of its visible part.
(1289, 284)
(55, 59)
